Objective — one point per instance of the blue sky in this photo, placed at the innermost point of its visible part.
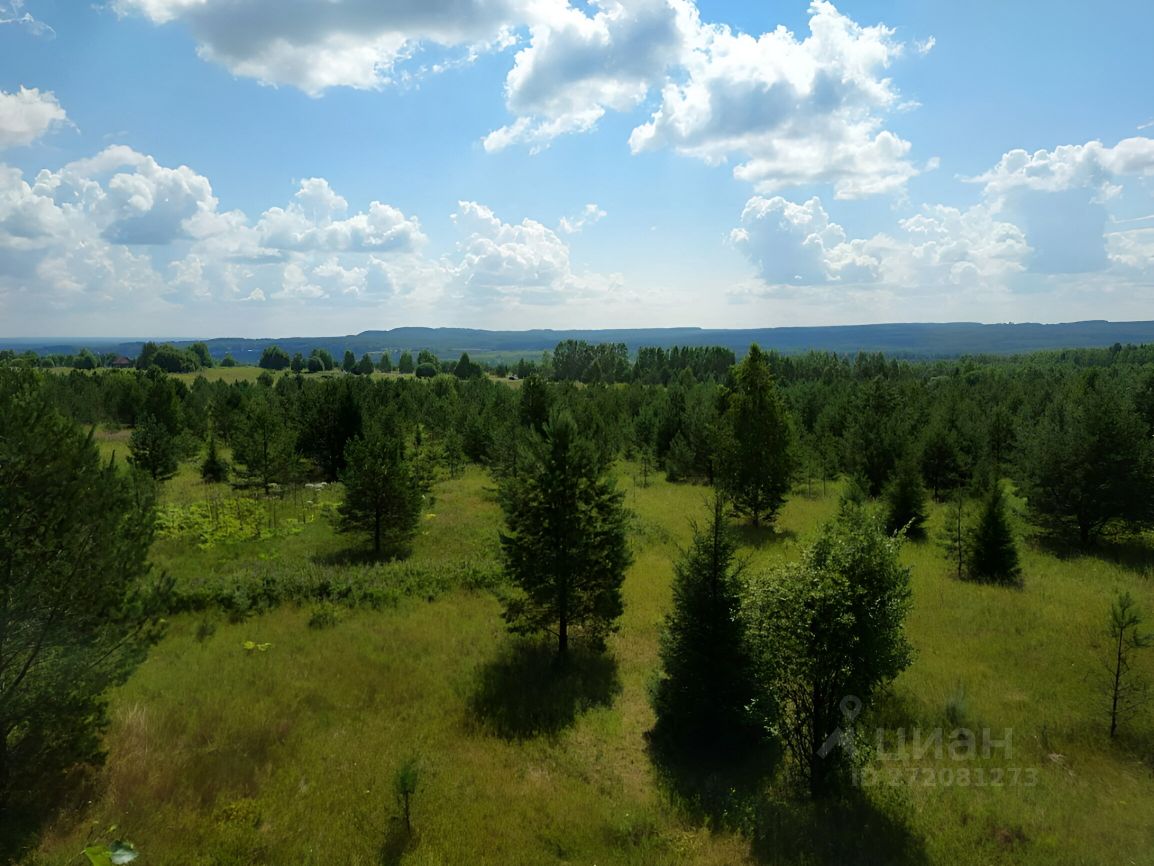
(274, 167)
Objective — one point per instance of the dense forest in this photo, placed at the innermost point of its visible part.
(987, 460)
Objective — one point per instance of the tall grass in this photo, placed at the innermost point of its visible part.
(222, 755)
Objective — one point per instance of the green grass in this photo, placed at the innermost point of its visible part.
(218, 755)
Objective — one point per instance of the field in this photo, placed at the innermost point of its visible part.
(219, 754)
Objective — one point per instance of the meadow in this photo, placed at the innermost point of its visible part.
(268, 724)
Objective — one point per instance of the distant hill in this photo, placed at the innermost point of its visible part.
(945, 340)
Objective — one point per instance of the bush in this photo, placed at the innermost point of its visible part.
(324, 615)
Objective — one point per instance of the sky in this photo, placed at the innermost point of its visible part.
(200, 168)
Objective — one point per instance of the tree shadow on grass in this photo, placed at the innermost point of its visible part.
(749, 535)
(1134, 552)
(346, 556)
(719, 788)
(398, 841)
(850, 830)
(525, 692)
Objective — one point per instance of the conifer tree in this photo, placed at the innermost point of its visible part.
(706, 687)
(383, 490)
(993, 554)
(386, 363)
(365, 366)
(1125, 691)
(153, 449)
(77, 611)
(955, 536)
(905, 500)
(214, 469)
(565, 546)
(264, 445)
(756, 460)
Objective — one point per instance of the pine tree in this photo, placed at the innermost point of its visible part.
(706, 687)
(386, 363)
(153, 449)
(565, 546)
(383, 489)
(1125, 692)
(993, 555)
(349, 362)
(756, 461)
(77, 611)
(954, 537)
(905, 499)
(1088, 466)
(264, 445)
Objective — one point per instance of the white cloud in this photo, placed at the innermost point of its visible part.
(27, 114)
(795, 111)
(1060, 198)
(120, 228)
(589, 215)
(517, 263)
(317, 45)
(13, 13)
(1072, 166)
(309, 224)
(578, 66)
(941, 246)
(789, 111)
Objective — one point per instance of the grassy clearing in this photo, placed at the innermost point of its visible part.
(220, 755)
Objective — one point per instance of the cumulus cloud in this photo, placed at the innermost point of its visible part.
(118, 226)
(1060, 198)
(310, 223)
(525, 262)
(794, 111)
(314, 46)
(27, 114)
(787, 111)
(1072, 166)
(577, 66)
(792, 243)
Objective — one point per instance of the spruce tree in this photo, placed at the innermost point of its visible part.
(405, 365)
(564, 548)
(756, 460)
(706, 686)
(993, 554)
(214, 469)
(383, 490)
(905, 500)
(386, 363)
